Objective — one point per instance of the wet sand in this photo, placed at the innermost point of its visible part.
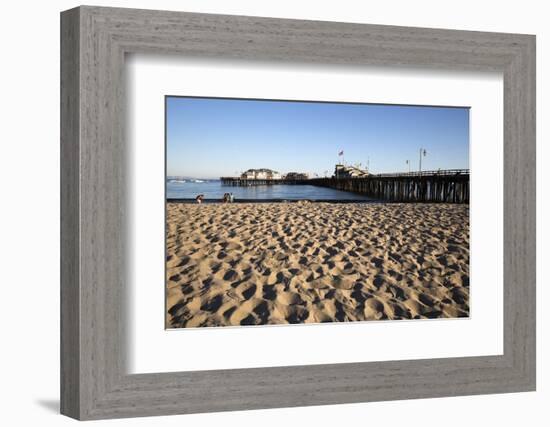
(278, 263)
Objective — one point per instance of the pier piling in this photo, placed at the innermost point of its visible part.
(450, 186)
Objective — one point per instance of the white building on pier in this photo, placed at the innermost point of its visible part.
(262, 173)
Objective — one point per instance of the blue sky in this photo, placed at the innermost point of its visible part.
(209, 138)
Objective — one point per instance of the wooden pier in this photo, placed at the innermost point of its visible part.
(442, 186)
(449, 186)
(245, 182)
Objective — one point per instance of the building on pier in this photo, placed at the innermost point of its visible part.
(343, 171)
(296, 176)
(262, 173)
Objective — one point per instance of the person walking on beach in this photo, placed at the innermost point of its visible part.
(231, 198)
(199, 198)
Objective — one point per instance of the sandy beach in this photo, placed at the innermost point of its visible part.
(277, 263)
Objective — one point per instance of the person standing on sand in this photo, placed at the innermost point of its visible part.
(199, 198)
(231, 198)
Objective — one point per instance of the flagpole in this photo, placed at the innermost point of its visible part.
(343, 160)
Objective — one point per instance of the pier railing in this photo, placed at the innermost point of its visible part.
(439, 172)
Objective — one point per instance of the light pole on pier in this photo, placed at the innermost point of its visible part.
(408, 163)
(422, 153)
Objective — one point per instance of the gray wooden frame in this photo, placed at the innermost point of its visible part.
(94, 382)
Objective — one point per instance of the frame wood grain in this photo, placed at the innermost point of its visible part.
(94, 381)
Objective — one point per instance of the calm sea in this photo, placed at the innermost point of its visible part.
(189, 189)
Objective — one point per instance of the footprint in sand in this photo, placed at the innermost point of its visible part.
(249, 292)
(269, 292)
(231, 276)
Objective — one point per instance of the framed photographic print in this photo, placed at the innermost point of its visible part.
(337, 254)
(262, 213)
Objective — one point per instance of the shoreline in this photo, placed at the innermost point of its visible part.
(244, 201)
(314, 201)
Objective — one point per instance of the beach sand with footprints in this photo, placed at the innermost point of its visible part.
(278, 263)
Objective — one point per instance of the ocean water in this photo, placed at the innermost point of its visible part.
(189, 189)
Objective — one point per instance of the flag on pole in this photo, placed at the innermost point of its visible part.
(341, 153)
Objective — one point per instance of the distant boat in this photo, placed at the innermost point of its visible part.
(177, 181)
(198, 180)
